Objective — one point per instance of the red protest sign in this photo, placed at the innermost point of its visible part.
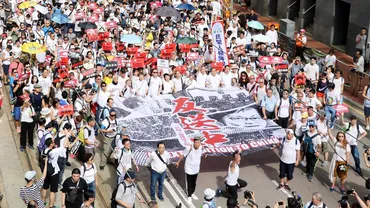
(121, 62)
(239, 48)
(282, 67)
(64, 61)
(107, 46)
(110, 25)
(92, 6)
(137, 63)
(193, 56)
(63, 53)
(184, 48)
(98, 11)
(264, 59)
(276, 59)
(182, 69)
(87, 72)
(80, 15)
(92, 35)
(77, 65)
(93, 18)
(131, 51)
(63, 73)
(219, 66)
(103, 35)
(65, 110)
(141, 55)
(171, 46)
(341, 108)
(70, 84)
(166, 53)
(150, 61)
(24, 76)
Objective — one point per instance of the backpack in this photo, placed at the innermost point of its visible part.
(50, 168)
(41, 147)
(58, 138)
(101, 116)
(283, 140)
(113, 203)
(114, 141)
(81, 134)
(116, 161)
(358, 129)
(115, 121)
(308, 146)
(311, 204)
(93, 167)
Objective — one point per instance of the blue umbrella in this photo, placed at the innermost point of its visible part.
(186, 7)
(133, 39)
(256, 25)
(59, 18)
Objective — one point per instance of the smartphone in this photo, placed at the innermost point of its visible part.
(280, 203)
(349, 192)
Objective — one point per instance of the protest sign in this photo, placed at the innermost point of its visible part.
(137, 63)
(193, 56)
(219, 66)
(166, 53)
(163, 63)
(65, 110)
(111, 65)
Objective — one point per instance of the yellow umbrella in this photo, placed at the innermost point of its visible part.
(33, 48)
(27, 4)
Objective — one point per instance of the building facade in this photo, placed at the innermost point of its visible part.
(333, 22)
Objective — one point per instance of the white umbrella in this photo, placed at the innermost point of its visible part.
(262, 38)
(41, 9)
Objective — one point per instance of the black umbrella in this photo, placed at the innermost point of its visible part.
(168, 12)
(87, 25)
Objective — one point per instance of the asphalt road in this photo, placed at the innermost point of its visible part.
(261, 171)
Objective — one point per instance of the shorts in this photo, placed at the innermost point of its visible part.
(6, 69)
(324, 146)
(52, 182)
(286, 170)
(320, 94)
(367, 111)
(17, 113)
(342, 174)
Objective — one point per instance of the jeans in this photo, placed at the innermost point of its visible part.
(356, 157)
(27, 130)
(330, 114)
(154, 178)
(62, 164)
(192, 181)
(91, 186)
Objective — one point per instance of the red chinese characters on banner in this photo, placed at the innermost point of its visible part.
(110, 25)
(198, 122)
(65, 110)
(93, 18)
(132, 51)
(219, 66)
(137, 63)
(166, 53)
(185, 48)
(183, 105)
(99, 10)
(140, 55)
(213, 139)
(193, 56)
(182, 69)
(92, 35)
(171, 46)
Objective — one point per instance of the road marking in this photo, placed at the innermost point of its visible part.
(355, 109)
(282, 190)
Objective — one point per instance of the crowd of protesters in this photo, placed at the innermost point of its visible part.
(44, 81)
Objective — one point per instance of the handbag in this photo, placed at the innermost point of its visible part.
(72, 195)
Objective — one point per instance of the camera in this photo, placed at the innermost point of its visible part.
(247, 194)
(178, 206)
(71, 139)
(343, 203)
(295, 201)
(10, 53)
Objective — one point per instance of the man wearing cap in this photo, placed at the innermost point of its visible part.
(16, 63)
(289, 157)
(36, 99)
(311, 145)
(126, 192)
(193, 156)
(109, 129)
(32, 190)
(209, 195)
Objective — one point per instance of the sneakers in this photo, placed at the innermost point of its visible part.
(161, 198)
(303, 163)
(190, 200)
(303, 173)
(342, 190)
(31, 147)
(310, 178)
(22, 149)
(347, 84)
(332, 189)
(101, 168)
(68, 164)
(367, 127)
(194, 197)
(287, 187)
(324, 164)
(18, 130)
(280, 187)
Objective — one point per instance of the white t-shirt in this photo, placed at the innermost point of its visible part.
(167, 87)
(154, 85)
(330, 60)
(45, 84)
(114, 90)
(321, 126)
(312, 71)
(192, 161)
(341, 152)
(284, 108)
(314, 102)
(338, 84)
(201, 79)
(226, 79)
(273, 36)
(26, 115)
(213, 81)
(289, 150)
(360, 64)
(178, 84)
(89, 174)
(352, 134)
(140, 87)
(316, 141)
(332, 97)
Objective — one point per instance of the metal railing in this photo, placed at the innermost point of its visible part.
(304, 13)
(288, 8)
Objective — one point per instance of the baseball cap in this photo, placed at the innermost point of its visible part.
(304, 115)
(30, 174)
(289, 131)
(37, 86)
(130, 174)
(311, 123)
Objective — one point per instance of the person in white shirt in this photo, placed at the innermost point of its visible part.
(125, 158)
(155, 84)
(289, 157)
(141, 86)
(330, 59)
(190, 82)
(213, 80)
(109, 128)
(158, 161)
(360, 63)
(27, 124)
(233, 182)
(272, 33)
(89, 136)
(312, 100)
(322, 129)
(354, 132)
(103, 95)
(115, 88)
(192, 155)
(316, 201)
(331, 98)
(202, 76)
(226, 77)
(45, 82)
(283, 110)
(168, 85)
(312, 71)
(217, 8)
(178, 81)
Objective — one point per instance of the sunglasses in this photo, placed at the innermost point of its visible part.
(113, 115)
(103, 85)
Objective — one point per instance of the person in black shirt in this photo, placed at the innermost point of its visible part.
(75, 181)
(18, 92)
